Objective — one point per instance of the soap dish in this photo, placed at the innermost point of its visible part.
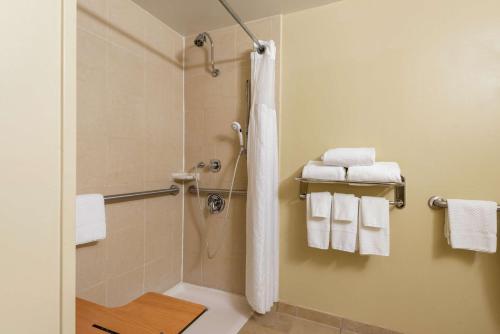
(182, 177)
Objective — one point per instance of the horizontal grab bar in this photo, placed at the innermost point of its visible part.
(173, 190)
(194, 190)
(437, 202)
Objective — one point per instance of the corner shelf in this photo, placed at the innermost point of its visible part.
(399, 188)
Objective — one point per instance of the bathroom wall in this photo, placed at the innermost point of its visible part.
(37, 133)
(211, 105)
(420, 81)
(129, 138)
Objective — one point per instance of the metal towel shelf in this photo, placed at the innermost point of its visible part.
(399, 188)
(173, 190)
(437, 202)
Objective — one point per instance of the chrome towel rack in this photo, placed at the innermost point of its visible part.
(194, 190)
(399, 188)
(173, 190)
(437, 202)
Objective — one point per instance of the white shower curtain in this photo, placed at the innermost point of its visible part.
(262, 221)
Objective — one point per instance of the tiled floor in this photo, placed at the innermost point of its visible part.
(279, 323)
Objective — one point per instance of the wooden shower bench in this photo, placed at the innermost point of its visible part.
(152, 313)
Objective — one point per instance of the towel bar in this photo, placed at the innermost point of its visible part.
(173, 190)
(399, 188)
(437, 202)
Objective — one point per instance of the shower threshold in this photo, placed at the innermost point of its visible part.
(226, 312)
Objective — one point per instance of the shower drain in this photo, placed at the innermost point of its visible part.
(216, 203)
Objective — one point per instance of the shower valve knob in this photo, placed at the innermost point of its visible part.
(215, 165)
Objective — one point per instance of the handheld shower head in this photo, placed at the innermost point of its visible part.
(237, 128)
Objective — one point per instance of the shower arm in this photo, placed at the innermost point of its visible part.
(215, 72)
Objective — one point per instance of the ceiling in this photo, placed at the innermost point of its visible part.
(192, 16)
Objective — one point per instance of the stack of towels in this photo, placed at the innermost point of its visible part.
(359, 162)
(351, 223)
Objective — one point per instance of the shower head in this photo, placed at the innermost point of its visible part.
(237, 128)
(200, 41)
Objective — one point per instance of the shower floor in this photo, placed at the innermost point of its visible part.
(226, 314)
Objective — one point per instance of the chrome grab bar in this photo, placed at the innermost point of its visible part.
(194, 190)
(173, 190)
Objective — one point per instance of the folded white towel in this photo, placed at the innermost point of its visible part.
(317, 170)
(347, 157)
(318, 228)
(345, 222)
(374, 211)
(90, 218)
(471, 225)
(379, 172)
(374, 240)
(345, 207)
(321, 204)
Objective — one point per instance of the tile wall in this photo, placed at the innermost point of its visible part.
(129, 138)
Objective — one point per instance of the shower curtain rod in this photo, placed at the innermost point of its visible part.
(260, 48)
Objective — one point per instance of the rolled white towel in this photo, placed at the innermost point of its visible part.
(347, 157)
(317, 170)
(379, 172)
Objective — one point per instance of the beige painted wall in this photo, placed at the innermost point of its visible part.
(211, 105)
(420, 81)
(37, 181)
(130, 138)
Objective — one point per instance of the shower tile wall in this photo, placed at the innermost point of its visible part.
(130, 138)
(211, 104)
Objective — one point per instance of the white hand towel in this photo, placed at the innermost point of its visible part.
(321, 204)
(374, 211)
(317, 170)
(345, 207)
(318, 229)
(347, 157)
(379, 172)
(471, 225)
(374, 240)
(345, 222)
(90, 218)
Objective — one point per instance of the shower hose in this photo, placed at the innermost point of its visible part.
(201, 205)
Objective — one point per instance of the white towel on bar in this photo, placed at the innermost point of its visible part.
(347, 157)
(345, 222)
(379, 172)
(90, 218)
(374, 211)
(321, 204)
(471, 225)
(374, 240)
(318, 228)
(317, 170)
